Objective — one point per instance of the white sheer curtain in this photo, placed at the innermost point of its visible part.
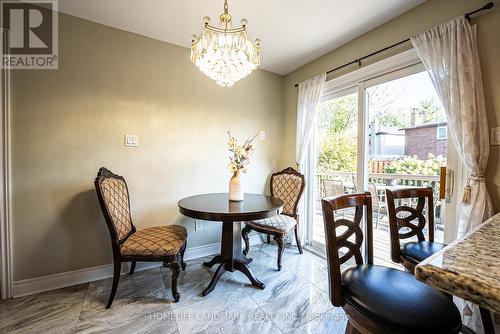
(309, 96)
(449, 53)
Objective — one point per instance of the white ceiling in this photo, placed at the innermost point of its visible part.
(293, 32)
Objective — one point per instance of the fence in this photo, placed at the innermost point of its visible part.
(378, 166)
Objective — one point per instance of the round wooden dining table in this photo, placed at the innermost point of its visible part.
(217, 207)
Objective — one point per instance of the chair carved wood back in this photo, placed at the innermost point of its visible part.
(335, 240)
(288, 185)
(398, 223)
(113, 195)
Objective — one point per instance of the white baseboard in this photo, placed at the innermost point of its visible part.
(61, 280)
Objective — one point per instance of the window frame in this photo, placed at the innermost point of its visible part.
(445, 137)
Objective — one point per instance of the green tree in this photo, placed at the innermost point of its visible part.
(430, 111)
(338, 153)
(383, 108)
(393, 119)
(338, 115)
(337, 119)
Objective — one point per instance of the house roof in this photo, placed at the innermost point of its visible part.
(388, 130)
(427, 125)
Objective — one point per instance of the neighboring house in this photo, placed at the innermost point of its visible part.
(420, 140)
(386, 141)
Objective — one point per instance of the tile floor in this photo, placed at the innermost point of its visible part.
(295, 301)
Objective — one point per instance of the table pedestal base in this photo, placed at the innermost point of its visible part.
(231, 257)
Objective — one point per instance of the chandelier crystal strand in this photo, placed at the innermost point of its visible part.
(225, 55)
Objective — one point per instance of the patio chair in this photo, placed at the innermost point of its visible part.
(378, 205)
(333, 187)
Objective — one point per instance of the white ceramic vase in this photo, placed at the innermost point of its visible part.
(236, 193)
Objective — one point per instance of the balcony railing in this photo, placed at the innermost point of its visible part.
(381, 181)
(385, 179)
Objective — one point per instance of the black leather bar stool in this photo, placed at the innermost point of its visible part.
(411, 253)
(378, 299)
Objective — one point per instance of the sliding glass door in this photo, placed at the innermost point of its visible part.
(407, 146)
(386, 130)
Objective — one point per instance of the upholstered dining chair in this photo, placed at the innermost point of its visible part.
(411, 225)
(377, 299)
(287, 185)
(155, 244)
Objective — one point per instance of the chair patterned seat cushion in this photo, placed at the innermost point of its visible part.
(155, 241)
(282, 224)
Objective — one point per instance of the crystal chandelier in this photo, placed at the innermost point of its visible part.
(225, 54)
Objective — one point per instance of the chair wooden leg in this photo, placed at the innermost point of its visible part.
(183, 250)
(268, 238)
(116, 278)
(175, 267)
(244, 234)
(281, 248)
(132, 267)
(297, 239)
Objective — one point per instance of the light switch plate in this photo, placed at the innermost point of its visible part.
(131, 140)
(262, 135)
(495, 136)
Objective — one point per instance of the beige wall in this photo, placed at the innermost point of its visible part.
(425, 16)
(69, 122)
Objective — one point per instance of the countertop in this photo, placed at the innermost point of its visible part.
(468, 268)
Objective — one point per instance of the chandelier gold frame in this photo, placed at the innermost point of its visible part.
(234, 41)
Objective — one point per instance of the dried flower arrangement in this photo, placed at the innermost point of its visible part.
(240, 154)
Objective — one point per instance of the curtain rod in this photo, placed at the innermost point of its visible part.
(489, 5)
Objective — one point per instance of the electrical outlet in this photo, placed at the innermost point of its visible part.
(262, 135)
(198, 225)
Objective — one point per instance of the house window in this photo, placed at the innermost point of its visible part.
(442, 132)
